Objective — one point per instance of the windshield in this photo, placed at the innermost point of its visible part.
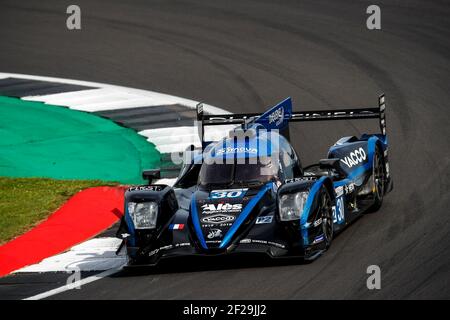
(255, 172)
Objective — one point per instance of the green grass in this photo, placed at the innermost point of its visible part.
(61, 143)
(24, 202)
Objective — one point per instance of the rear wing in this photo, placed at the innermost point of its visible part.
(317, 115)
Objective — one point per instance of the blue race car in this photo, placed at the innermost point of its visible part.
(248, 193)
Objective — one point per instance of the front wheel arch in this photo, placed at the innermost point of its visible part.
(327, 184)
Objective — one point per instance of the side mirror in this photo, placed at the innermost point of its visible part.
(332, 164)
(152, 174)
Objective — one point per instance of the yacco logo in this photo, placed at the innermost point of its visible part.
(355, 157)
(218, 218)
(237, 150)
(277, 116)
(222, 207)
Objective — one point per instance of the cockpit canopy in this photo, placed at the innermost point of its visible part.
(250, 159)
(253, 171)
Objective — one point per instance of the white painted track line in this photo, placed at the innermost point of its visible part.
(74, 285)
(97, 254)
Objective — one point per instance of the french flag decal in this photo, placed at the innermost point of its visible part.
(176, 226)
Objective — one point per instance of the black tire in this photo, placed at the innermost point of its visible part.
(325, 211)
(378, 179)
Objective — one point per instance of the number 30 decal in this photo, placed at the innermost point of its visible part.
(338, 211)
(230, 193)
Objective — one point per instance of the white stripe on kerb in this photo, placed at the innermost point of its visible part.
(75, 97)
(177, 139)
(93, 100)
(174, 139)
(97, 254)
(156, 97)
(110, 97)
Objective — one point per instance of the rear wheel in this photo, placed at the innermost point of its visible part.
(378, 179)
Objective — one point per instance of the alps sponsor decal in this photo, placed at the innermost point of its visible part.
(227, 194)
(264, 219)
(214, 233)
(355, 158)
(218, 218)
(210, 208)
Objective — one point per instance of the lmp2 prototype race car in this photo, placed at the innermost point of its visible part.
(248, 193)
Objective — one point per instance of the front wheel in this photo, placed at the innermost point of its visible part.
(326, 213)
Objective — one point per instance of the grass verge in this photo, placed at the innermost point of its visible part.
(25, 202)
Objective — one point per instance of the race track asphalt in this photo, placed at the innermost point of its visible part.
(246, 55)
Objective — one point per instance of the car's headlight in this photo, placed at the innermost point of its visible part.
(291, 205)
(144, 214)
